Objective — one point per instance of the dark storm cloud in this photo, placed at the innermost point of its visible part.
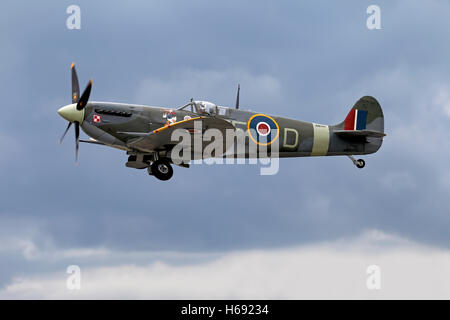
(320, 56)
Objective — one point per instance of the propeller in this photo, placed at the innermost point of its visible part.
(64, 134)
(75, 85)
(74, 112)
(237, 97)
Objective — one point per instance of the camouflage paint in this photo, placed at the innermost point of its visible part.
(122, 125)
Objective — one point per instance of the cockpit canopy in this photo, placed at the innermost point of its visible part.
(204, 107)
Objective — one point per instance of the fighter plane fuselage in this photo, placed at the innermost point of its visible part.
(117, 124)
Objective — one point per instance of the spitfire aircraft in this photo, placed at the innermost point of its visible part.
(145, 132)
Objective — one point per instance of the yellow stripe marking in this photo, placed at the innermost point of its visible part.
(176, 123)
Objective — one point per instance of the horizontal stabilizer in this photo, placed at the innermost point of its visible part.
(359, 133)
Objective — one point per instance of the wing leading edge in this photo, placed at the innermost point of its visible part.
(161, 137)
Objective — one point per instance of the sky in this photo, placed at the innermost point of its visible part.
(308, 60)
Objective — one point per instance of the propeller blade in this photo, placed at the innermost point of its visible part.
(75, 85)
(77, 140)
(237, 98)
(65, 132)
(84, 97)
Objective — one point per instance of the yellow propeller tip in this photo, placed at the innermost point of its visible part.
(73, 65)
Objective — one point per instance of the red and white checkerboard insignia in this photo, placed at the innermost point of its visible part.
(97, 118)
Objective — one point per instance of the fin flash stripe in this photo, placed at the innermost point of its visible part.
(356, 120)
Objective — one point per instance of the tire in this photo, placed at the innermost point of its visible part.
(361, 163)
(162, 170)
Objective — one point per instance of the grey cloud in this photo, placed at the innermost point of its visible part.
(308, 60)
(323, 270)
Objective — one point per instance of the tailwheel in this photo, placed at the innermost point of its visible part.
(360, 163)
(161, 169)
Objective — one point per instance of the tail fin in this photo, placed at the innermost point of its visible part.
(366, 115)
(362, 131)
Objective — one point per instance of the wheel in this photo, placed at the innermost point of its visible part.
(360, 163)
(161, 169)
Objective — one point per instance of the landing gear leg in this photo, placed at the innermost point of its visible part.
(360, 163)
(161, 169)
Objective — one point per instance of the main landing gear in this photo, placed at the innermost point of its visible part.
(161, 169)
(360, 163)
(157, 166)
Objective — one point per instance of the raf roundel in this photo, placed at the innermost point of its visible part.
(263, 130)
